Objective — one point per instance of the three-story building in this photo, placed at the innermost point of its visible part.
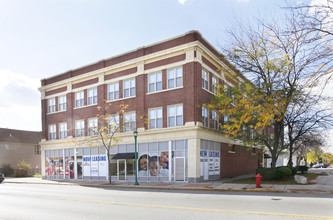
(168, 82)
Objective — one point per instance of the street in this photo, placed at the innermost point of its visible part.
(38, 201)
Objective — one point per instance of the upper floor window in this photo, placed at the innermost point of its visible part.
(225, 119)
(79, 99)
(92, 96)
(52, 132)
(62, 102)
(113, 123)
(37, 149)
(175, 77)
(205, 76)
(251, 133)
(175, 115)
(215, 120)
(205, 120)
(92, 126)
(129, 88)
(129, 121)
(79, 128)
(155, 118)
(113, 91)
(214, 84)
(51, 105)
(62, 130)
(155, 82)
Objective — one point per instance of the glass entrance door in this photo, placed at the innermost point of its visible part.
(121, 169)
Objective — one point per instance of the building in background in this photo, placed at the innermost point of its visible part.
(168, 82)
(18, 145)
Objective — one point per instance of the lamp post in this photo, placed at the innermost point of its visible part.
(135, 133)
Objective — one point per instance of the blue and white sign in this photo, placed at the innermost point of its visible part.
(94, 165)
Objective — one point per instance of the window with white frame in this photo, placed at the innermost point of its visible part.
(62, 130)
(92, 126)
(113, 91)
(205, 120)
(155, 118)
(92, 96)
(175, 115)
(79, 128)
(129, 88)
(205, 81)
(214, 84)
(51, 105)
(130, 121)
(62, 103)
(52, 132)
(79, 99)
(113, 123)
(175, 77)
(215, 120)
(155, 82)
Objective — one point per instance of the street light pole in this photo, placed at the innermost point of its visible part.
(135, 133)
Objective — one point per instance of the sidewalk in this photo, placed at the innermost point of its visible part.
(323, 184)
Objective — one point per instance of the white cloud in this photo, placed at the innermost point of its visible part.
(182, 2)
(20, 101)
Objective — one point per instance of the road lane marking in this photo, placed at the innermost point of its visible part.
(184, 208)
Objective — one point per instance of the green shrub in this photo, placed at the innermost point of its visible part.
(282, 172)
(293, 170)
(302, 169)
(266, 173)
(7, 170)
(23, 169)
(274, 173)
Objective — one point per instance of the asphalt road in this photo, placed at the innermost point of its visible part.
(36, 201)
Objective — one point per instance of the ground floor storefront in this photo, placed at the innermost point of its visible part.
(159, 159)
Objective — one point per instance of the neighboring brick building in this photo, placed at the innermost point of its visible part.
(18, 145)
(167, 81)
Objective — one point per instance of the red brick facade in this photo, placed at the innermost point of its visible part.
(191, 94)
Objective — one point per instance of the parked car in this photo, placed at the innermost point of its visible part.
(319, 165)
(2, 177)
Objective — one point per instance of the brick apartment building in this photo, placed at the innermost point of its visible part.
(169, 82)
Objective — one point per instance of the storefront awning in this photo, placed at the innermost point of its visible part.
(267, 156)
(123, 156)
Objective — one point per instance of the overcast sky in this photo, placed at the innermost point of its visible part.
(42, 38)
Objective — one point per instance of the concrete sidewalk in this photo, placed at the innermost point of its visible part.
(323, 184)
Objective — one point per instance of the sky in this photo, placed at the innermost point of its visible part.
(42, 38)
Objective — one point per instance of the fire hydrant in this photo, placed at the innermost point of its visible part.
(258, 180)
